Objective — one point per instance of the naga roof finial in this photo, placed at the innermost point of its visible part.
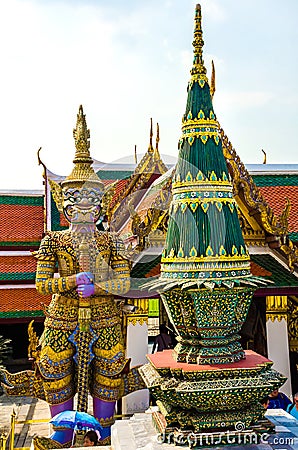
(157, 136)
(198, 69)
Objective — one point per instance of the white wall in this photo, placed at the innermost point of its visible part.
(278, 350)
(136, 349)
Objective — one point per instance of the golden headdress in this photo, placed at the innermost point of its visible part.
(83, 171)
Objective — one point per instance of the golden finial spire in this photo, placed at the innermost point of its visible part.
(212, 81)
(265, 157)
(198, 69)
(157, 136)
(150, 148)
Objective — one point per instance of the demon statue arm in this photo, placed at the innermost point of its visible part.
(46, 283)
(114, 273)
(118, 281)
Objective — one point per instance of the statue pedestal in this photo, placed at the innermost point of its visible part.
(195, 398)
(140, 433)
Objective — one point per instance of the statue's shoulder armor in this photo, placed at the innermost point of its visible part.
(51, 242)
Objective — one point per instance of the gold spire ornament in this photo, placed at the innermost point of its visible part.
(57, 194)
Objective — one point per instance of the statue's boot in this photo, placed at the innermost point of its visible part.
(65, 435)
(104, 413)
(104, 410)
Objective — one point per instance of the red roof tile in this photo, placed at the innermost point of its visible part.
(276, 196)
(107, 182)
(17, 264)
(22, 300)
(118, 190)
(21, 223)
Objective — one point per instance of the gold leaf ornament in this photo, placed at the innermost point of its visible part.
(56, 190)
(108, 195)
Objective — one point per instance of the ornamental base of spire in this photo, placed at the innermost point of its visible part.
(210, 351)
(195, 399)
(240, 435)
(208, 322)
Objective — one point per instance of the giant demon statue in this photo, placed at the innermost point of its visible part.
(81, 349)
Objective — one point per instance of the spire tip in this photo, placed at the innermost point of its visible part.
(198, 69)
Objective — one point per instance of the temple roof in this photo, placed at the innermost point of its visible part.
(134, 188)
(267, 266)
(17, 268)
(275, 188)
(23, 302)
(21, 220)
(26, 302)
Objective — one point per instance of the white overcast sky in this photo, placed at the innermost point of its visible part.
(127, 61)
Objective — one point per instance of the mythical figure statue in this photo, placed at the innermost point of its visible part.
(81, 349)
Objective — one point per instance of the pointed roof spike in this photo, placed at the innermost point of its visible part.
(212, 81)
(198, 68)
(150, 148)
(157, 136)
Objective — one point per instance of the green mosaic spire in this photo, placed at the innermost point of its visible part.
(205, 267)
(204, 239)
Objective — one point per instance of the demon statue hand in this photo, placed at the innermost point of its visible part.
(81, 348)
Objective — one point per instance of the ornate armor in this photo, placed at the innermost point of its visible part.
(58, 342)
